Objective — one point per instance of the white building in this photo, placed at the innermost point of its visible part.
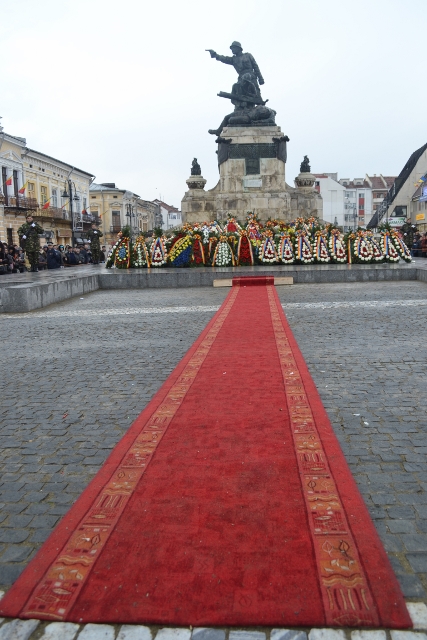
(333, 195)
(351, 203)
(171, 216)
(358, 203)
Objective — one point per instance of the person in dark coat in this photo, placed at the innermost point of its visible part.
(71, 258)
(53, 257)
(83, 257)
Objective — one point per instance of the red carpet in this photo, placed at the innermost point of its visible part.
(228, 502)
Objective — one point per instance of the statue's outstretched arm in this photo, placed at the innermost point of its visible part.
(225, 59)
(257, 71)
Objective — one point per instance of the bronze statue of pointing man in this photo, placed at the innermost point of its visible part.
(248, 71)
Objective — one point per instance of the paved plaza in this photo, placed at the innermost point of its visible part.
(78, 373)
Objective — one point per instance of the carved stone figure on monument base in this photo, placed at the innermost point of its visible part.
(195, 168)
(305, 165)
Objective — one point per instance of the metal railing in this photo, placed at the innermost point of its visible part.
(19, 202)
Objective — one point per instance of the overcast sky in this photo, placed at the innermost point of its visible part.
(125, 90)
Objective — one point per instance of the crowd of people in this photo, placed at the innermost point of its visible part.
(419, 245)
(30, 256)
(51, 256)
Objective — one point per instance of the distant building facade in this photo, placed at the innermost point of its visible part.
(120, 207)
(351, 203)
(33, 182)
(357, 203)
(333, 196)
(170, 216)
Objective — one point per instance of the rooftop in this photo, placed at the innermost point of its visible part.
(168, 207)
(39, 153)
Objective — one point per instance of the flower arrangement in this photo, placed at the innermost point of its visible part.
(122, 254)
(140, 255)
(285, 250)
(400, 246)
(158, 252)
(336, 246)
(267, 250)
(198, 250)
(232, 226)
(303, 241)
(377, 255)
(244, 249)
(223, 254)
(362, 248)
(303, 249)
(182, 252)
(321, 252)
(387, 246)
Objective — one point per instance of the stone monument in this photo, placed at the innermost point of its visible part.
(251, 158)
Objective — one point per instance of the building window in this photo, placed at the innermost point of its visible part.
(115, 219)
(400, 212)
(350, 194)
(31, 189)
(362, 195)
(43, 195)
(361, 206)
(54, 199)
(15, 183)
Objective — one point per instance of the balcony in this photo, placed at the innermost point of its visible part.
(19, 203)
(53, 213)
(88, 218)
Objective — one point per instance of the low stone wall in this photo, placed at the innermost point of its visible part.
(204, 277)
(20, 297)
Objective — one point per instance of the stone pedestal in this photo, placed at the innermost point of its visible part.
(252, 179)
(305, 181)
(196, 182)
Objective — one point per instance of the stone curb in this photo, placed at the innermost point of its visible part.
(37, 630)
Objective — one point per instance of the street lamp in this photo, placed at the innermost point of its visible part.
(72, 197)
(351, 205)
(129, 214)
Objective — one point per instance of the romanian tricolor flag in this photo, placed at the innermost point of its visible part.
(9, 181)
(47, 204)
(22, 189)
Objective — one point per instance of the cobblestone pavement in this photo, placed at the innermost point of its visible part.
(75, 384)
(81, 371)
